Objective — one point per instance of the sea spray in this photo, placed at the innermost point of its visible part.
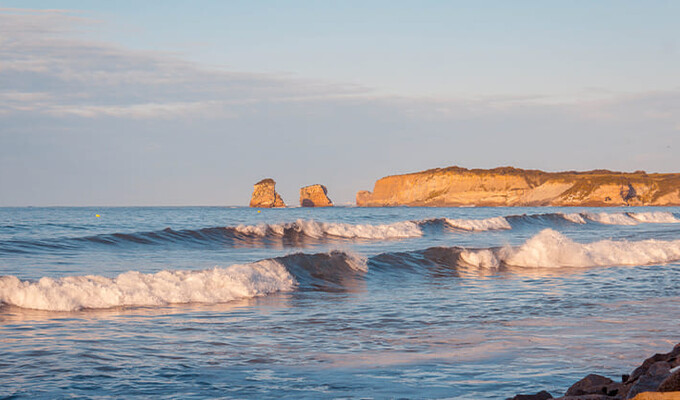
(316, 229)
(134, 288)
(628, 218)
(478, 225)
(550, 248)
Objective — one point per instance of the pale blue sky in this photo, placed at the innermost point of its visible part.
(178, 102)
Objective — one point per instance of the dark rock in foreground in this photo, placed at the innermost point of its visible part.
(658, 378)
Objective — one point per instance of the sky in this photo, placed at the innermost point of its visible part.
(192, 102)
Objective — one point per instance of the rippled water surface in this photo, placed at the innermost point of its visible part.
(465, 303)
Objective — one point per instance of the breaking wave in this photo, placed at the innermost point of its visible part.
(325, 271)
(551, 249)
(303, 232)
(496, 223)
(316, 229)
(133, 288)
(332, 271)
(627, 218)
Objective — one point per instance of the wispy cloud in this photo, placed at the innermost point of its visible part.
(47, 67)
(43, 59)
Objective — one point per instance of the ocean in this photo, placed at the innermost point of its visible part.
(341, 302)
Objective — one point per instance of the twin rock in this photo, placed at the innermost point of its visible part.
(265, 196)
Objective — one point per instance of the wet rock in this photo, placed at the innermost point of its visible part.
(265, 196)
(672, 383)
(658, 378)
(315, 196)
(651, 379)
(542, 395)
(591, 384)
(673, 358)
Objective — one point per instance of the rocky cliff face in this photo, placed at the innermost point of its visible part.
(314, 196)
(265, 196)
(507, 186)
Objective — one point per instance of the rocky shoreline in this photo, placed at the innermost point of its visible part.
(657, 378)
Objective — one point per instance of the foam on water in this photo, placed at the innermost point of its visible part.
(488, 224)
(611, 219)
(658, 217)
(630, 218)
(575, 218)
(315, 229)
(138, 289)
(549, 248)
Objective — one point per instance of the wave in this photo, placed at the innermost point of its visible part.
(325, 271)
(134, 288)
(309, 232)
(316, 229)
(289, 234)
(552, 219)
(496, 223)
(627, 218)
(332, 271)
(550, 249)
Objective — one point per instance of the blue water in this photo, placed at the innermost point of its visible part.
(331, 303)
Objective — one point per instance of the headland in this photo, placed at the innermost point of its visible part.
(509, 186)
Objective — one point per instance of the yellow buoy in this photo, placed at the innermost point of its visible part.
(258, 211)
(97, 215)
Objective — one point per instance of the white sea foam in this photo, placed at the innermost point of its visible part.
(137, 289)
(488, 224)
(356, 262)
(552, 249)
(315, 229)
(658, 217)
(611, 219)
(575, 218)
(632, 218)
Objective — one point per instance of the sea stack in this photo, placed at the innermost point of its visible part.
(315, 196)
(265, 196)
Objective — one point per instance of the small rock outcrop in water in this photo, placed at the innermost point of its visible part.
(508, 186)
(658, 378)
(314, 196)
(265, 196)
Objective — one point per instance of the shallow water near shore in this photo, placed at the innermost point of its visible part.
(203, 302)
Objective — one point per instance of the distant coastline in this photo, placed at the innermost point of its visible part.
(509, 186)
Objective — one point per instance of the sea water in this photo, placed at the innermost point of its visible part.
(210, 302)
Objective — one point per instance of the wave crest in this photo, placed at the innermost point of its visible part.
(549, 249)
(627, 218)
(478, 225)
(134, 288)
(316, 229)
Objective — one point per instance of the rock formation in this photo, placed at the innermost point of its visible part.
(658, 378)
(265, 196)
(508, 186)
(314, 196)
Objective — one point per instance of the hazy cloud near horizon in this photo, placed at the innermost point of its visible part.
(85, 122)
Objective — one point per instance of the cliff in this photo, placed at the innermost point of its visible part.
(265, 196)
(315, 196)
(508, 186)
